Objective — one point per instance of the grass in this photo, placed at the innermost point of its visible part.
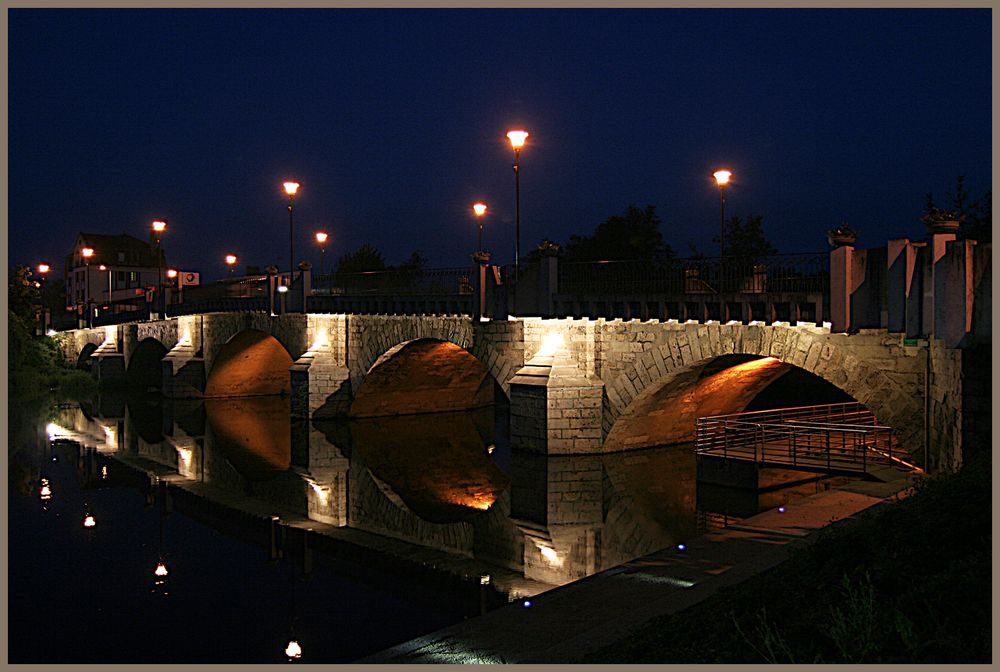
(908, 584)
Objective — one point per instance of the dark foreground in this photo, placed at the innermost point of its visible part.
(908, 584)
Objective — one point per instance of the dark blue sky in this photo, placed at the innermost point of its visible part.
(394, 123)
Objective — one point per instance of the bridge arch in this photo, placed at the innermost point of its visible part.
(144, 369)
(251, 363)
(421, 376)
(764, 353)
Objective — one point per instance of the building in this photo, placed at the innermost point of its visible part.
(120, 270)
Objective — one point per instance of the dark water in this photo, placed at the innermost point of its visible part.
(448, 483)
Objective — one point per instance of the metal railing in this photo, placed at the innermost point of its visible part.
(780, 273)
(398, 282)
(842, 438)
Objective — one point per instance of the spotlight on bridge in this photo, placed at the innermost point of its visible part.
(551, 343)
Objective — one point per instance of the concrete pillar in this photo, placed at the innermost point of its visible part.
(954, 292)
(841, 286)
(901, 263)
(936, 249)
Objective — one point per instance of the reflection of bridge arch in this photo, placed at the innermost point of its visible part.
(423, 376)
(630, 396)
(251, 363)
(144, 366)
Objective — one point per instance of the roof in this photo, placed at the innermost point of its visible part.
(107, 248)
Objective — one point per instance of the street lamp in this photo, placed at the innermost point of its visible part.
(480, 210)
(87, 253)
(291, 188)
(321, 237)
(102, 267)
(517, 139)
(231, 262)
(722, 179)
(159, 226)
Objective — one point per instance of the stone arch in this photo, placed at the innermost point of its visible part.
(251, 363)
(374, 336)
(144, 367)
(421, 376)
(812, 349)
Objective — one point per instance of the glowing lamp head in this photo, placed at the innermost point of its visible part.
(722, 177)
(172, 273)
(479, 209)
(293, 650)
(517, 138)
(44, 268)
(87, 252)
(230, 259)
(282, 289)
(159, 226)
(102, 267)
(88, 521)
(161, 569)
(321, 237)
(291, 188)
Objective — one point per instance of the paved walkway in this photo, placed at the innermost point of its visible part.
(564, 624)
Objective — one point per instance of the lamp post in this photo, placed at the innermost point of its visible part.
(321, 237)
(102, 267)
(517, 139)
(172, 275)
(43, 312)
(87, 253)
(159, 226)
(480, 210)
(291, 188)
(481, 257)
(722, 179)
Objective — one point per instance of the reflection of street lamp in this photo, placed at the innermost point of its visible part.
(722, 179)
(517, 139)
(480, 210)
(291, 188)
(293, 650)
(321, 237)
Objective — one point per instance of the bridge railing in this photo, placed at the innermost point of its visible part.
(710, 275)
(398, 282)
(833, 437)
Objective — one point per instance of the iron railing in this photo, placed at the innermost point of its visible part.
(842, 437)
(398, 282)
(781, 273)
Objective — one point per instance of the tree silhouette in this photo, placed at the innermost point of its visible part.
(634, 235)
(745, 239)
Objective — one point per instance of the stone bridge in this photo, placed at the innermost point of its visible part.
(576, 386)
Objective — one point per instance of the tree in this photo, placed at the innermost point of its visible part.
(974, 214)
(745, 238)
(634, 235)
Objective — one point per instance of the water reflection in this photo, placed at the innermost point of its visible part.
(253, 434)
(444, 481)
(439, 464)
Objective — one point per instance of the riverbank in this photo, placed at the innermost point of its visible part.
(909, 584)
(572, 622)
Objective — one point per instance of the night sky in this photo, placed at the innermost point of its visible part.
(394, 121)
